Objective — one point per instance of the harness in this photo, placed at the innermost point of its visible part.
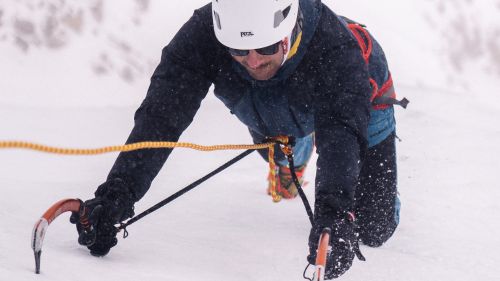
(384, 96)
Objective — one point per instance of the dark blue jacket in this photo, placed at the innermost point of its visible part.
(324, 88)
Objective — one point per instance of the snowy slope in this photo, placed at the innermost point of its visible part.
(228, 229)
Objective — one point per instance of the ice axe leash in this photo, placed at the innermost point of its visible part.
(181, 192)
(286, 147)
(324, 240)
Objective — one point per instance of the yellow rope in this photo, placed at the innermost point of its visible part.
(128, 147)
(155, 145)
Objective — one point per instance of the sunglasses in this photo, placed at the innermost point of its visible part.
(266, 51)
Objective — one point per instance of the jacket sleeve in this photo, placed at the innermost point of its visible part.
(178, 85)
(341, 121)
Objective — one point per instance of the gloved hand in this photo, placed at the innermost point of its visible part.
(344, 242)
(95, 223)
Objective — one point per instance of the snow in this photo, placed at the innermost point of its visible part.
(228, 228)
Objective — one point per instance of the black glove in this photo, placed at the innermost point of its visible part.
(95, 223)
(344, 242)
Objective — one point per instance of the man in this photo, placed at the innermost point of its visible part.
(283, 68)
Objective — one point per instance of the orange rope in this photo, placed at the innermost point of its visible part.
(272, 168)
(283, 141)
(124, 148)
(156, 145)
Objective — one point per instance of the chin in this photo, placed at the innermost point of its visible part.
(261, 76)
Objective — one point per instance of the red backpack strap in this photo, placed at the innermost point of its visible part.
(363, 39)
(366, 45)
(383, 97)
(386, 96)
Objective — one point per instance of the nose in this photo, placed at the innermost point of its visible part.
(254, 59)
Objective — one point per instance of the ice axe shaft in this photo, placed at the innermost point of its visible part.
(321, 256)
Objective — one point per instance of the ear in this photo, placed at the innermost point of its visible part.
(285, 45)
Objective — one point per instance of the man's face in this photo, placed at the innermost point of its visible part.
(263, 67)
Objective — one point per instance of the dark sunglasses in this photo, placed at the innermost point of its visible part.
(266, 51)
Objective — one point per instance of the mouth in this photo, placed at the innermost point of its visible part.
(262, 67)
(263, 72)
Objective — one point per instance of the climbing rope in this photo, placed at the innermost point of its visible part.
(127, 147)
(275, 195)
(157, 145)
(154, 145)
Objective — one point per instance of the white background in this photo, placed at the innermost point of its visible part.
(444, 58)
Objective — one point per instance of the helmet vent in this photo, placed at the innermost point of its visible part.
(217, 20)
(286, 11)
(280, 16)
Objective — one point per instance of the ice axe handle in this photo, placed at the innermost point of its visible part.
(88, 236)
(322, 254)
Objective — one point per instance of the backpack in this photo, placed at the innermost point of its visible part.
(383, 95)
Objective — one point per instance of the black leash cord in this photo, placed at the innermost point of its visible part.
(182, 191)
(305, 271)
(300, 190)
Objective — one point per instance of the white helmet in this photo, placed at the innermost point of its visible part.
(253, 24)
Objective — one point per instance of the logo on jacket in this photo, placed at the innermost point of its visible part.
(246, 33)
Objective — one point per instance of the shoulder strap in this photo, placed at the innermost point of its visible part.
(364, 39)
(383, 96)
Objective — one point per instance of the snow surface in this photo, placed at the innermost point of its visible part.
(228, 228)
